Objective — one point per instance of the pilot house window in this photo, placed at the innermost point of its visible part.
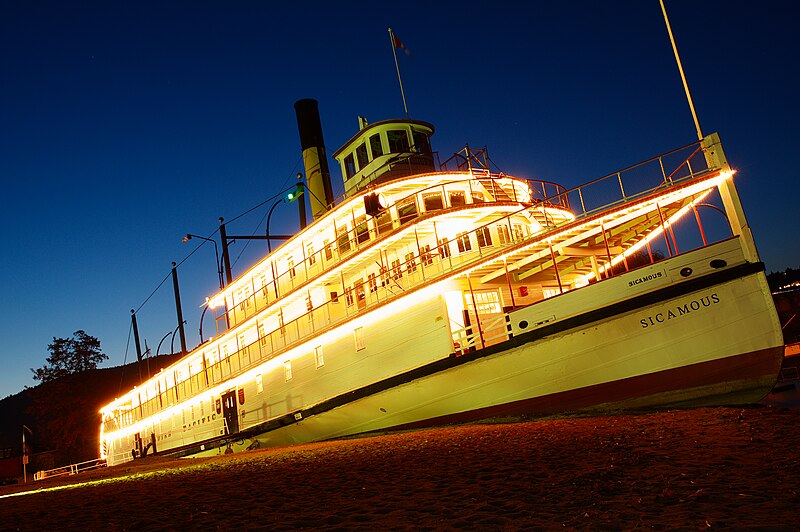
(398, 140)
(375, 145)
(361, 156)
(421, 142)
(349, 166)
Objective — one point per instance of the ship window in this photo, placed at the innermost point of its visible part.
(263, 280)
(398, 140)
(287, 370)
(290, 265)
(550, 291)
(375, 144)
(328, 250)
(348, 298)
(484, 302)
(312, 258)
(463, 242)
(384, 222)
(244, 297)
(362, 230)
(503, 234)
(262, 333)
(372, 280)
(318, 357)
(358, 335)
(260, 383)
(444, 248)
(457, 199)
(520, 231)
(384, 275)
(425, 255)
(421, 141)
(309, 303)
(432, 201)
(361, 295)
(349, 166)
(361, 155)
(343, 239)
(334, 297)
(411, 264)
(407, 210)
(397, 271)
(484, 237)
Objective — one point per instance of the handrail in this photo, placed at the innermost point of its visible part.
(72, 469)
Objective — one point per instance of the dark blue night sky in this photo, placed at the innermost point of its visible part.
(125, 125)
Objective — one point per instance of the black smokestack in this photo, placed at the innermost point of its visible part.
(318, 177)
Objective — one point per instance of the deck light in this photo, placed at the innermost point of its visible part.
(374, 204)
(295, 193)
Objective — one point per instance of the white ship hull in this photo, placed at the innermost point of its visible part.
(714, 354)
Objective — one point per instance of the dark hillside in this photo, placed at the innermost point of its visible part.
(64, 415)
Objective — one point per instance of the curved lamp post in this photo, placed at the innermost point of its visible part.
(190, 236)
(161, 342)
(172, 342)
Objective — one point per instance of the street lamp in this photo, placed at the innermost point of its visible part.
(269, 243)
(190, 236)
(161, 342)
(172, 342)
(203, 315)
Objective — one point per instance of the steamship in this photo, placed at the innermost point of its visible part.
(438, 292)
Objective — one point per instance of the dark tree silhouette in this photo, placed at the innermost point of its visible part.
(70, 355)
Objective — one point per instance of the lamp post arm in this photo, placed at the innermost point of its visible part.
(158, 349)
(269, 245)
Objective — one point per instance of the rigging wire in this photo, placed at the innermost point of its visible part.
(125, 360)
(258, 227)
(164, 280)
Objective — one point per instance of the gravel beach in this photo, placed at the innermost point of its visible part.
(693, 469)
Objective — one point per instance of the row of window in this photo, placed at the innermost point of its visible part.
(148, 407)
(396, 141)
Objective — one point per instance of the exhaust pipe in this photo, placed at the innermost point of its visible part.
(318, 177)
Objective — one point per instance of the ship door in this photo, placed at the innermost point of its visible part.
(485, 313)
(230, 412)
(361, 294)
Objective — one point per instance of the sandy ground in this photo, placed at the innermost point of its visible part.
(717, 468)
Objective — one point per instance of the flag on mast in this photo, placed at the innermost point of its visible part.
(397, 43)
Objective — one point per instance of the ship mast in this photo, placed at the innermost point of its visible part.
(683, 75)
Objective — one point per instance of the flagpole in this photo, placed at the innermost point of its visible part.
(680, 69)
(397, 67)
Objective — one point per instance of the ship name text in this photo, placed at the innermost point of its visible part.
(646, 278)
(679, 310)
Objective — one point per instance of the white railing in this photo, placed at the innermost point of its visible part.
(72, 469)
